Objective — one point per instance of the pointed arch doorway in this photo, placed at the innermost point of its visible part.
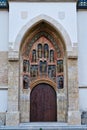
(43, 105)
(44, 66)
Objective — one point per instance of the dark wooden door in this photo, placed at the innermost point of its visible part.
(43, 106)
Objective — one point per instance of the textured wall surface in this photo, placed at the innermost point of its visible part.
(3, 69)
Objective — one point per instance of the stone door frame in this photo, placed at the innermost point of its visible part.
(13, 112)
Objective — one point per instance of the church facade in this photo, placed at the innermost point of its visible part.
(42, 61)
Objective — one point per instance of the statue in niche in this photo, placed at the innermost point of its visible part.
(60, 66)
(34, 71)
(34, 56)
(51, 56)
(46, 51)
(25, 66)
(39, 50)
(43, 66)
(60, 82)
(52, 71)
(25, 82)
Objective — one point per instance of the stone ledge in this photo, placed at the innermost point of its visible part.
(3, 87)
(82, 87)
(73, 54)
(45, 126)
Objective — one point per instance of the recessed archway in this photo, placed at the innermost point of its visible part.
(43, 57)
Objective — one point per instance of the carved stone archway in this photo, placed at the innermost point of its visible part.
(43, 34)
(71, 75)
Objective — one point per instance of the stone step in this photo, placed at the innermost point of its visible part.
(44, 126)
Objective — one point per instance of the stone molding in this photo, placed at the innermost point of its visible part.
(82, 87)
(73, 54)
(13, 55)
(44, 80)
(57, 26)
(3, 87)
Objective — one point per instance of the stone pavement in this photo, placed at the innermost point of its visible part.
(44, 126)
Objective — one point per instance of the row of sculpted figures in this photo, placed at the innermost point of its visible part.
(43, 53)
(54, 72)
(43, 66)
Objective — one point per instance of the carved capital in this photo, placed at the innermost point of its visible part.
(13, 55)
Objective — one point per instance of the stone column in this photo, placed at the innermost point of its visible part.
(74, 116)
(12, 116)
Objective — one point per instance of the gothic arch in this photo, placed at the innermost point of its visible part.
(42, 32)
(52, 22)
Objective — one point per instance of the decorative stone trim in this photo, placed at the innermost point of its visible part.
(13, 55)
(44, 80)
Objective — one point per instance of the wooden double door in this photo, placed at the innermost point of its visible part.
(43, 104)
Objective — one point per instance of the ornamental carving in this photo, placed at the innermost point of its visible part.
(43, 58)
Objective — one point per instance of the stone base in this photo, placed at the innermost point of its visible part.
(2, 118)
(74, 118)
(12, 118)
